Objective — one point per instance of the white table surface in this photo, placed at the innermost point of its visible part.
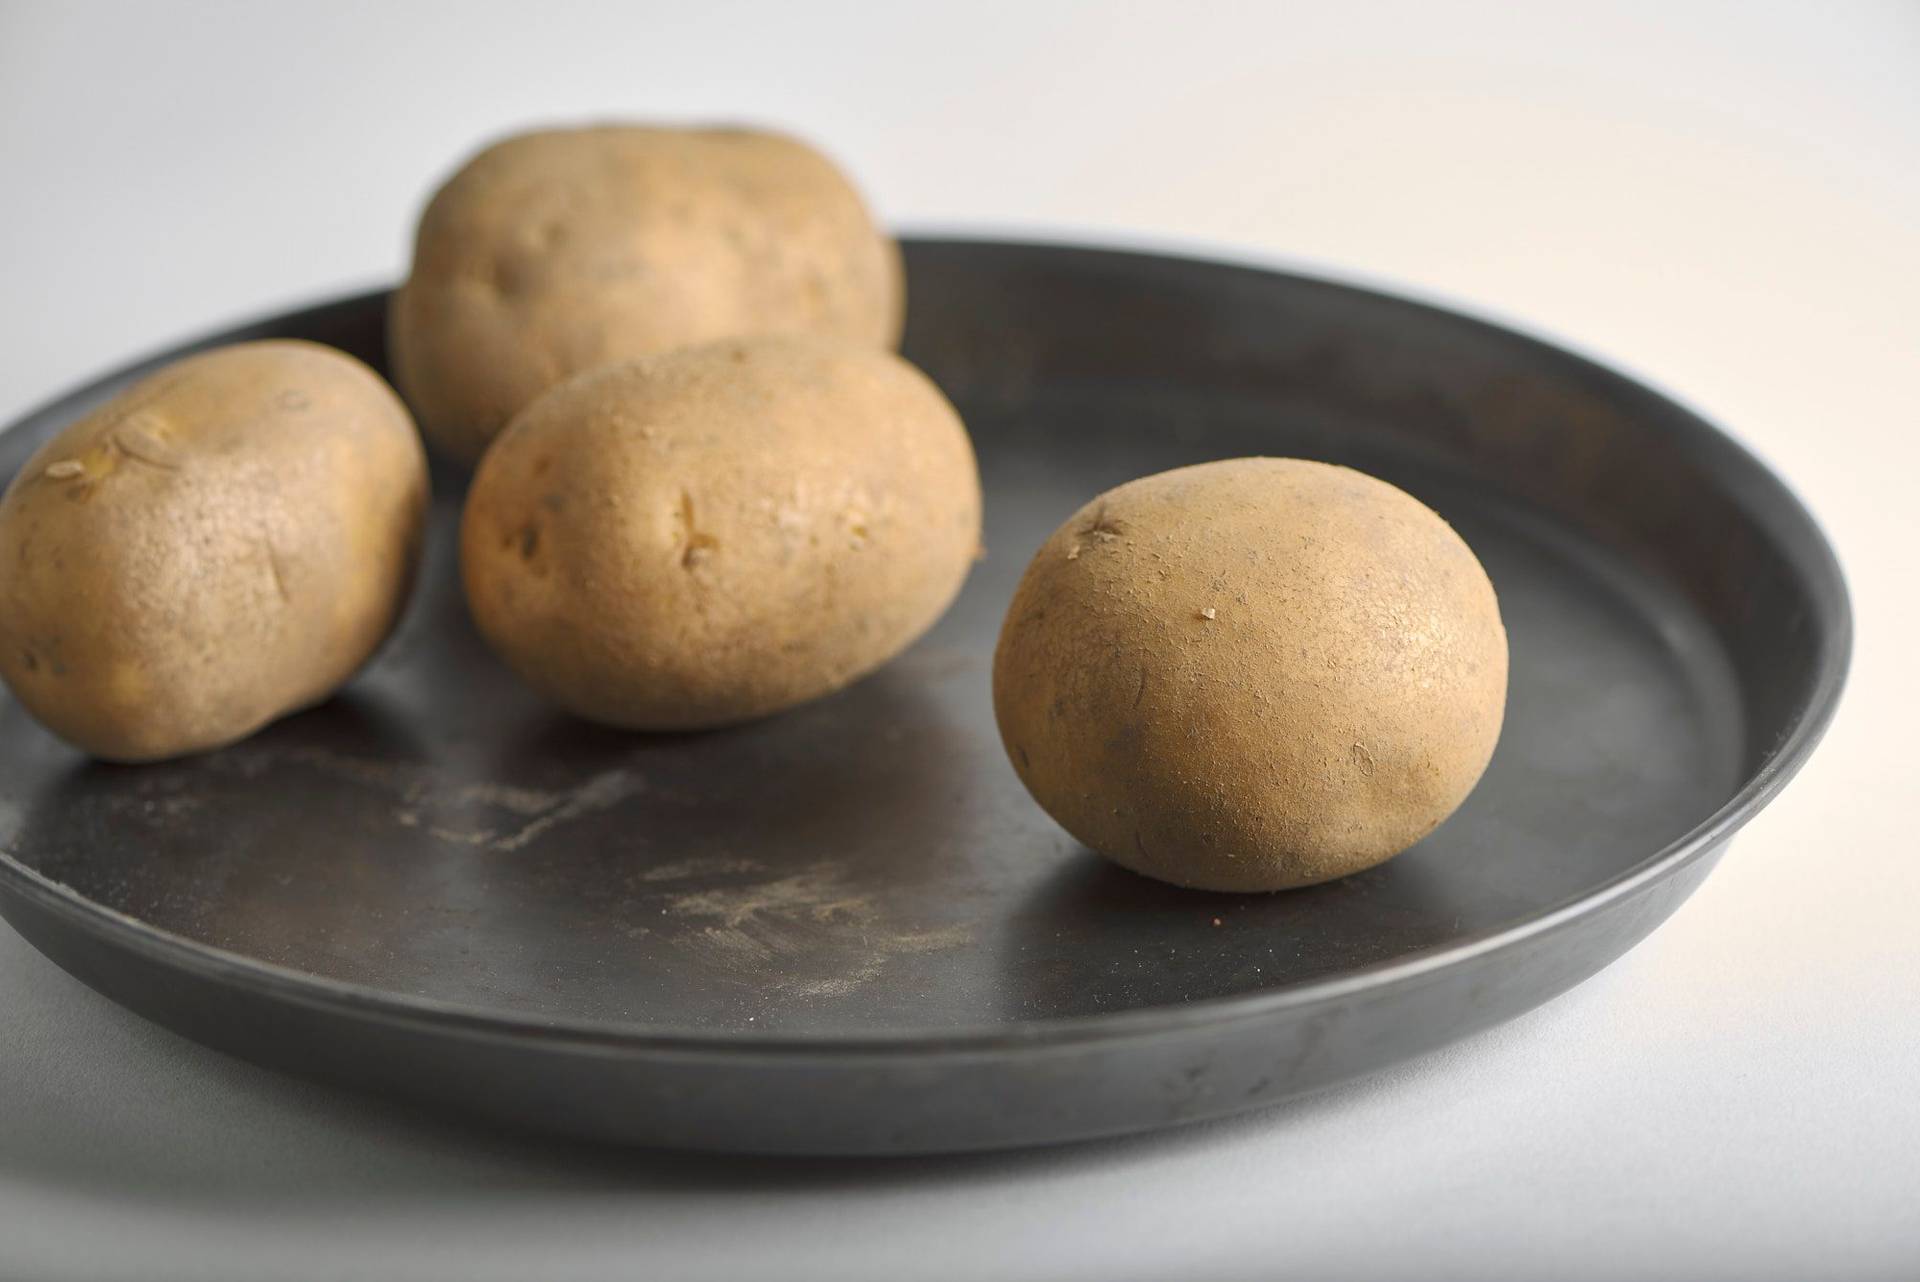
(1722, 198)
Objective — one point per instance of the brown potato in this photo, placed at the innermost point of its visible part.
(218, 546)
(721, 532)
(1251, 674)
(551, 253)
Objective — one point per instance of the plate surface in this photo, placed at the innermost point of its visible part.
(848, 929)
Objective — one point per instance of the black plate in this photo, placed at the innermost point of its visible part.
(848, 929)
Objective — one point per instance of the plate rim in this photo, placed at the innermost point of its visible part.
(1761, 491)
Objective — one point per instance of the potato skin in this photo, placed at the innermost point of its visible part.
(218, 546)
(1251, 674)
(718, 533)
(554, 252)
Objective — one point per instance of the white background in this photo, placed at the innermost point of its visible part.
(1722, 198)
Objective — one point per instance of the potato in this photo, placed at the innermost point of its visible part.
(715, 534)
(551, 253)
(218, 546)
(1251, 674)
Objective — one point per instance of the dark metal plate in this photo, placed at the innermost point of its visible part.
(848, 929)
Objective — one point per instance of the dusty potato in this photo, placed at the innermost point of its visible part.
(222, 544)
(721, 532)
(1251, 674)
(551, 253)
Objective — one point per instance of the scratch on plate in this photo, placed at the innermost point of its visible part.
(701, 866)
(601, 792)
(768, 931)
(424, 799)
